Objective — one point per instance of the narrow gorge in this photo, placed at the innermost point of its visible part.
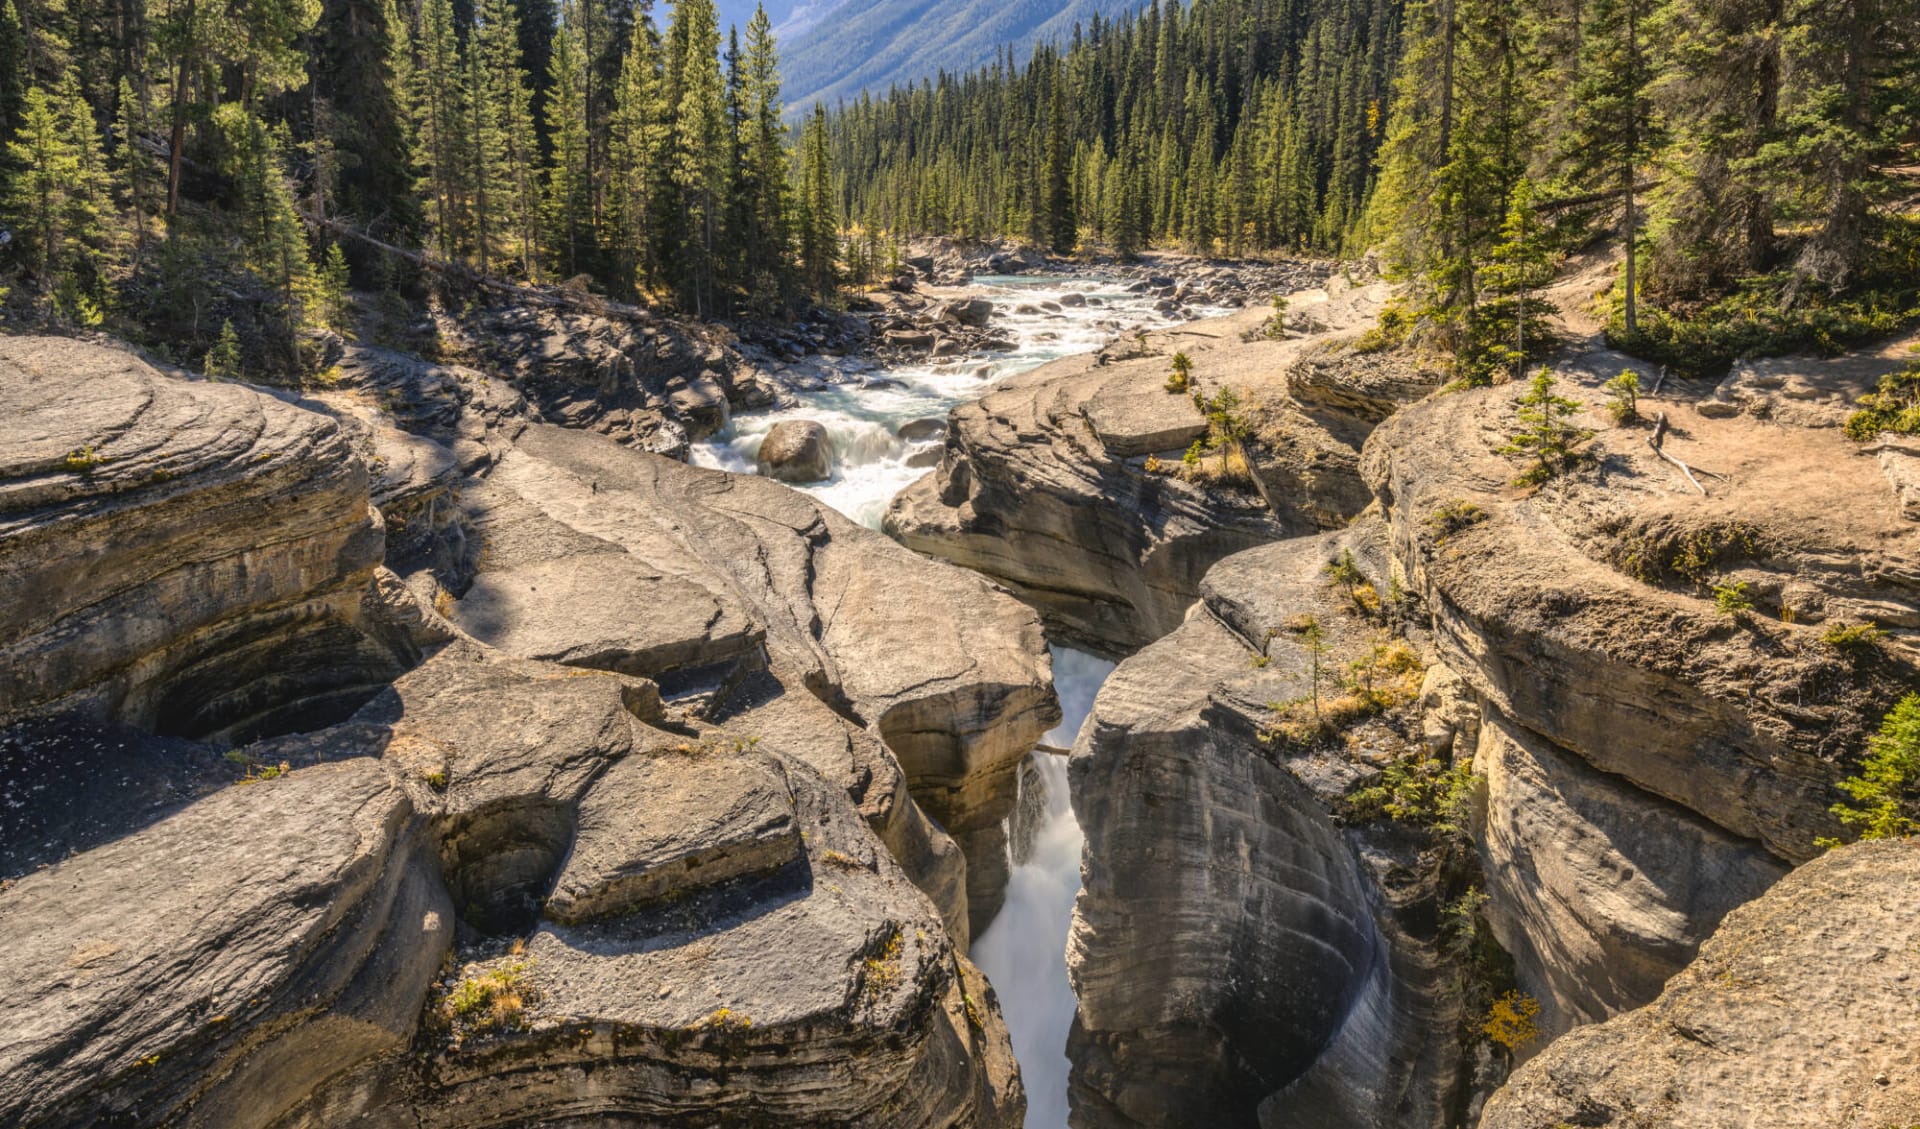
(953, 714)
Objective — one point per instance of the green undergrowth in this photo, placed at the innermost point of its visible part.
(1766, 315)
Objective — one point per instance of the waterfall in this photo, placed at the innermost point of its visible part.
(1024, 951)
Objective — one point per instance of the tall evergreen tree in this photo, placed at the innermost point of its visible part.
(568, 204)
(1613, 127)
(697, 162)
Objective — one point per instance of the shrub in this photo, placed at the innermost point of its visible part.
(1420, 790)
(1623, 402)
(1453, 517)
(1510, 1022)
(1545, 436)
(1732, 599)
(495, 999)
(1182, 376)
(1344, 573)
(1887, 789)
(223, 360)
(83, 460)
(1894, 406)
(1852, 639)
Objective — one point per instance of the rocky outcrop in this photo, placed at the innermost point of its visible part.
(1652, 759)
(1601, 891)
(187, 557)
(1797, 1014)
(1045, 484)
(1294, 979)
(796, 450)
(596, 555)
(491, 808)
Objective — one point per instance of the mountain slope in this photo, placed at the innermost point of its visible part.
(829, 52)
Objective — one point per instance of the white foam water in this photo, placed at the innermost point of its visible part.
(862, 407)
(1024, 951)
(863, 414)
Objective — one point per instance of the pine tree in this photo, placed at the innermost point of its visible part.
(1613, 128)
(1848, 111)
(640, 130)
(819, 219)
(763, 172)
(438, 98)
(60, 199)
(696, 165)
(275, 241)
(1512, 321)
(1546, 436)
(508, 148)
(1062, 228)
(568, 206)
(137, 181)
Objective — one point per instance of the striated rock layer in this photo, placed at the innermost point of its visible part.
(495, 888)
(155, 980)
(1798, 1014)
(1241, 956)
(1652, 761)
(1044, 483)
(760, 606)
(191, 558)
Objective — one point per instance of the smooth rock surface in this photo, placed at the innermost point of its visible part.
(1797, 1014)
(187, 557)
(796, 450)
(1235, 948)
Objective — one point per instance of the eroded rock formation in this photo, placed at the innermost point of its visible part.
(1653, 760)
(1797, 1014)
(190, 558)
(1045, 484)
(1291, 984)
(657, 911)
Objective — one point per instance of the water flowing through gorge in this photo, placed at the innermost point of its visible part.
(1024, 951)
(863, 405)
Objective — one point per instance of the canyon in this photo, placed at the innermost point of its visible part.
(474, 738)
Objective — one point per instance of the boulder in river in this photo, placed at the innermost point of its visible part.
(917, 429)
(796, 450)
(970, 312)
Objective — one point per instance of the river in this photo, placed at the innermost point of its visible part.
(862, 405)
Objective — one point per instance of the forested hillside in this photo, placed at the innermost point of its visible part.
(1755, 156)
(835, 49)
(179, 169)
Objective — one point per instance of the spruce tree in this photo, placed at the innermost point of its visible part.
(638, 145)
(568, 205)
(274, 240)
(508, 148)
(819, 218)
(696, 165)
(1613, 127)
(438, 98)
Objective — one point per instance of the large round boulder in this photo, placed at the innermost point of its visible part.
(796, 450)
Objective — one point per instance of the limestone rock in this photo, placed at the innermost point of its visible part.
(1599, 890)
(1584, 612)
(133, 510)
(1284, 988)
(1797, 1014)
(659, 826)
(726, 574)
(158, 978)
(1042, 485)
(154, 980)
(796, 451)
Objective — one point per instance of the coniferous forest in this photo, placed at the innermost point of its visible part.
(1754, 154)
(180, 163)
(1751, 154)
